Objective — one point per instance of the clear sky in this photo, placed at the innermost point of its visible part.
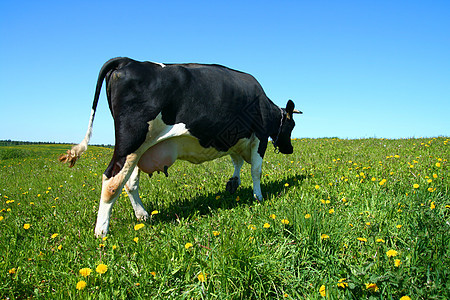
(355, 68)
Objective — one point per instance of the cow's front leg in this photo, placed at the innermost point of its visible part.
(234, 182)
(111, 189)
(256, 162)
(132, 188)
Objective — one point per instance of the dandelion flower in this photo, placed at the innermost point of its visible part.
(136, 239)
(397, 262)
(26, 226)
(324, 236)
(85, 272)
(317, 187)
(435, 176)
(342, 283)
(59, 247)
(307, 216)
(188, 245)
(1, 218)
(12, 271)
(380, 241)
(202, 277)
(415, 185)
(372, 287)
(362, 239)
(155, 212)
(438, 165)
(54, 235)
(101, 269)
(405, 298)
(399, 226)
(216, 233)
(272, 216)
(331, 211)
(322, 291)
(286, 184)
(266, 225)
(382, 182)
(153, 273)
(432, 205)
(391, 253)
(81, 285)
(139, 226)
(285, 221)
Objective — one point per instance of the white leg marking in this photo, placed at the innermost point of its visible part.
(256, 171)
(132, 188)
(103, 216)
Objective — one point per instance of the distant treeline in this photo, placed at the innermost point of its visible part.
(15, 143)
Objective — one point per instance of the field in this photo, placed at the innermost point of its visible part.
(342, 219)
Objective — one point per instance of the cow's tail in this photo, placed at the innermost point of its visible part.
(73, 154)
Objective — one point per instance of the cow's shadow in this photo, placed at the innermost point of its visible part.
(207, 203)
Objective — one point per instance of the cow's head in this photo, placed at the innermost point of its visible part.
(283, 139)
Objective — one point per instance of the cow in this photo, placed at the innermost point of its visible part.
(192, 112)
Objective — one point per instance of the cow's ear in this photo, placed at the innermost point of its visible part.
(290, 108)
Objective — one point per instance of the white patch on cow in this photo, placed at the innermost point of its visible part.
(161, 64)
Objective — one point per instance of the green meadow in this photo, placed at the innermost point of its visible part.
(342, 219)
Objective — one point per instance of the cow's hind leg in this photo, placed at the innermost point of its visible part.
(234, 182)
(111, 189)
(132, 188)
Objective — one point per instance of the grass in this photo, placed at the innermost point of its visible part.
(332, 212)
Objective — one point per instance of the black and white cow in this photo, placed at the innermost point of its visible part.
(193, 112)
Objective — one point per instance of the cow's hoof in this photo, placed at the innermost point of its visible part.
(142, 216)
(232, 185)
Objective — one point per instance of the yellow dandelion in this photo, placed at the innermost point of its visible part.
(307, 216)
(286, 184)
(415, 185)
(188, 245)
(139, 226)
(153, 273)
(432, 205)
(391, 253)
(272, 216)
(331, 211)
(266, 225)
(324, 236)
(252, 227)
(81, 285)
(397, 262)
(317, 187)
(285, 221)
(372, 287)
(101, 269)
(435, 176)
(54, 235)
(59, 247)
(202, 277)
(155, 212)
(136, 240)
(26, 226)
(368, 223)
(322, 291)
(405, 298)
(342, 284)
(438, 165)
(399, 226)
(1, 218)
(217, 197)
(12, 271)
(362, 239)
(216, 233)
(101, 245)
(380, 241)
(114, 247)
(85, 272)
(382, 182)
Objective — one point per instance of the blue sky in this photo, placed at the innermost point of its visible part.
(355, 68)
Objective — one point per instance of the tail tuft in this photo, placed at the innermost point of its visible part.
(73, 155)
